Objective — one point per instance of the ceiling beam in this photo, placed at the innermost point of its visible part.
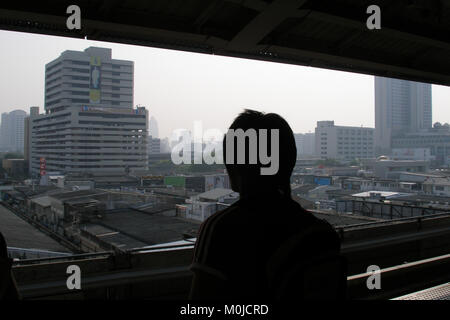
(385, 31)
(257, 5)
(334, 62)
(263, 24)
(208, 12)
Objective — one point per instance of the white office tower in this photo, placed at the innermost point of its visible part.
(12, 131)
(400, 107)
(342, 142)
(153, 127)
(89, 123)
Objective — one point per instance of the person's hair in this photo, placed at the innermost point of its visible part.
(250, 173)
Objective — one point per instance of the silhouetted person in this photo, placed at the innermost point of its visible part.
(248, 249)
(8, 288)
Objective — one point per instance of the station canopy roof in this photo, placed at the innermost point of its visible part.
(413, 42)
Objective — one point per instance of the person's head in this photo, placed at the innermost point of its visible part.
(273, 167)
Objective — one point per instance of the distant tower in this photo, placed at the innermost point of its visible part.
(12, 131)
(153, 127)
(400, 106)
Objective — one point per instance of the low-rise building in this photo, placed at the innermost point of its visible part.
(390, 185)
(437, 186)
(412, 154)
(437, 140)
(384, 168)
(342, 142)
(154, 145)
(203, 205)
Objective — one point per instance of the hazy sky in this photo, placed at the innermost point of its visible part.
(179, 87)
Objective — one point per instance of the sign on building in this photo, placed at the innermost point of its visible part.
(95, 80)
(42, 167)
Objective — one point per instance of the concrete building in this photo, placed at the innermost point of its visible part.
(400, 106)
(412, 154)
(437, 186)
(86, 139)
(12, 131)
(391, 169)
(305, 143)
(437, 140)
(342, 142)
(88, 77)
(203, 205)
(154, 145)
(89, 123)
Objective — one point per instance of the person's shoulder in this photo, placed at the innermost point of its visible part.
(219, 218)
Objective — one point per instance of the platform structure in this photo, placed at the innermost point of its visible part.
(441, 292)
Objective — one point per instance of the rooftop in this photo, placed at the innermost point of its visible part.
(44, 201)
(215, 194)
(438, 181)
(63, 196)
(384, 194)
(19, 233)
(147, 228)
(419, 198)
(30, 191)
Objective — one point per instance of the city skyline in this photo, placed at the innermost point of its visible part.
(210, 88)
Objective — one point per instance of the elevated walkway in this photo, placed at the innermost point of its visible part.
(163, 272)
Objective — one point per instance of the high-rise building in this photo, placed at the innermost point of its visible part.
(12, 131)
(88, 77)
(34, 111)
(344, 143)
(305, 143)
(400, 106)
(153, 127)
(89, 123)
